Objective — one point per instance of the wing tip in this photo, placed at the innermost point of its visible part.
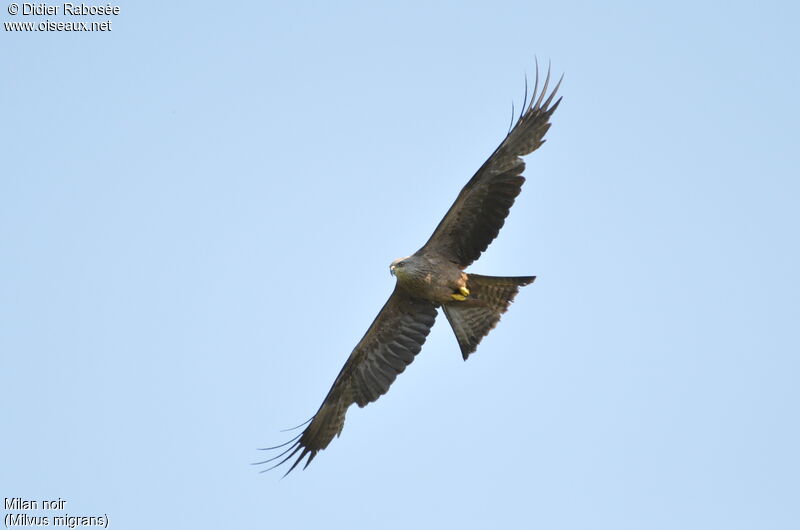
(537, 100)
(292, 450)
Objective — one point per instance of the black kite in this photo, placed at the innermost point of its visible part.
(434, 277)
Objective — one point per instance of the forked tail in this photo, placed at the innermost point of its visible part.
(476, 316)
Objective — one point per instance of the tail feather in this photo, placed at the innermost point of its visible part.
(476, 316)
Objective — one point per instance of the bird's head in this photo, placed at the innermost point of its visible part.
(399, 266)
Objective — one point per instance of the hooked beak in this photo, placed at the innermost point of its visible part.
(391, 269)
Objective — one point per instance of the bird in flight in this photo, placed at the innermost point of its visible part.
(434, 277)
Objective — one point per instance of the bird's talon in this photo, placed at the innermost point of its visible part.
(464, 291)
(459, 297)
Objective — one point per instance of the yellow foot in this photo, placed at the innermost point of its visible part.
(459, 297)
(464, 291)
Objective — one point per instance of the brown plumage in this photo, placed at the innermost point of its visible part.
(432, 277)
(476, 316)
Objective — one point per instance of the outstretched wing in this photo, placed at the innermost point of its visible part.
(479, 211)
(390, 344)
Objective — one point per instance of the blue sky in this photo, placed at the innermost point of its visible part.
(197, 214)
